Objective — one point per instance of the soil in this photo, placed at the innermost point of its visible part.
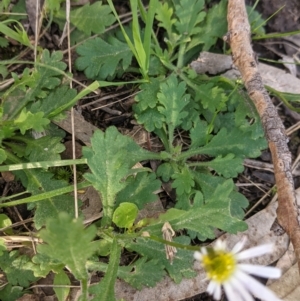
(288, 19)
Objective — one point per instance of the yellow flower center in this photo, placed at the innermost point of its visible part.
(219, 265)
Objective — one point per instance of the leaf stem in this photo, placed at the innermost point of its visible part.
(131, 236)
(181, 53)
(161, 133)
(190, 153)
(84, 289)
(201, 164)
(174, 244)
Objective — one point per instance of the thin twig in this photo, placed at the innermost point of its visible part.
(239, 38)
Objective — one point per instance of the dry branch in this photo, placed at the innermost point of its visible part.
(239, 38)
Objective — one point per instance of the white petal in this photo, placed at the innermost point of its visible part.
(239, 246)
(220, 245)
(203, 250)
(231, 294)
(256, 288)
(254, 252)
(217, 292)
(212, 287)
(239, 287)
(261, 271)
(198, 256)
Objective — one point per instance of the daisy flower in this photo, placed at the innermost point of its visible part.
(223, 269)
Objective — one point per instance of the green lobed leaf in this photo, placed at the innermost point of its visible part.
(92, 18)
(228, 166)
(208, 184)
(183, 181)
(256, 21)
(63, 280)
(5, 221)
(173, 98)
(151, 119)
(19, 94)
(105, 289)
(27, 120)
(5, 3)
(110, 159)
(214, 214)
(255, 131)
(235, 142)
(139, 190)
(38, 181)
(33, 84)
(44, 149)
(180, 268)
(184, 201)
(245, 110)
(49, 69)
(147, 97)
(163, 102)
(199, 134)
(238, 204)
(19, 7)
(104, 247)
(2, 245)
(190, 200)
(164, 15)
(16, 148)
(12, 264)
(240, 115)
(125, 215)
(143, 273)
(165, 171)
(100, 59)
(3, 69)
(40, 149)
(156, 68)
(189, 15)
(214, 27)
(53, 4)
(77, 37)
(212, 97)
(3, 43)
(2, 154)
(43, 265)
(69, 242)
(228, 122)
(54, 100)
(6, 131)
(11, 293)
(193, 115)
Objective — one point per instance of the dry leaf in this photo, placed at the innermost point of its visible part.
(287, 287)
(168, 234)
(276, 78)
